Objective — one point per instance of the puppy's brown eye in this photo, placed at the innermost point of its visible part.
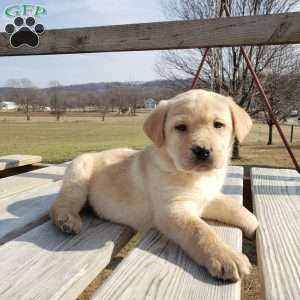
(181, 127)
(218, 124)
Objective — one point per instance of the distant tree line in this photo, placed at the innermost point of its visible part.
(123, 98)
(282, 87)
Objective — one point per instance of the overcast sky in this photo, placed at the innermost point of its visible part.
(75, 68)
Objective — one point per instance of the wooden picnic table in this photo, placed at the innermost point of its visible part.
(18, 160)
(37, 261)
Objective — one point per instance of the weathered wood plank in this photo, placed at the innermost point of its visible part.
(221, 32)
(276, 197)
(45, 264)
(13, 161)
(26, 181)
(159, 269)
(26, 210)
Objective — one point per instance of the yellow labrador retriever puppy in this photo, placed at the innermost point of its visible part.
(170, 185)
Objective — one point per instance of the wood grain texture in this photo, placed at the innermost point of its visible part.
(159, 269)
(221, 32)
(26, 181)
(45, 264)
(276, 196)
(26, 210)
(13, 161)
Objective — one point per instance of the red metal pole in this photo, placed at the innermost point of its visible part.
(199, 68)
(267, 103)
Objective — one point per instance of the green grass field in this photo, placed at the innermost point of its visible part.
(61, 141)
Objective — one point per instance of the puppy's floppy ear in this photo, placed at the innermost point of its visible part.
(155, 123)
(242, 122)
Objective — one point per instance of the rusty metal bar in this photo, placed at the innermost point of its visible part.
(270, 110)
(199, 68)
(266, 101)
(259, 87)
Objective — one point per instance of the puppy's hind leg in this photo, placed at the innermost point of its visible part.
(73, 195)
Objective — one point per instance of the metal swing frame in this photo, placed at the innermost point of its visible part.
(259, 86)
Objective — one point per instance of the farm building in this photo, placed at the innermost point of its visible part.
(150, 103)
(294, 113)
(8, 106)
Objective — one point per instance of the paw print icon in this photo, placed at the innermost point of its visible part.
(24, 32)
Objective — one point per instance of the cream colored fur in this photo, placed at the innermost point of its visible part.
(164, 185)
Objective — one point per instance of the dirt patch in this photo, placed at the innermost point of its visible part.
(251, 285)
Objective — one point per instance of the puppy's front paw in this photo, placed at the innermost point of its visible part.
(251, 226)
(228, 264)
(66, 221)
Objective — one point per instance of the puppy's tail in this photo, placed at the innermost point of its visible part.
(74, 190)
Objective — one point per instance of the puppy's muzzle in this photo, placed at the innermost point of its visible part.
(201, 153)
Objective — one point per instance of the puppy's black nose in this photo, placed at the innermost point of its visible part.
(201, 153)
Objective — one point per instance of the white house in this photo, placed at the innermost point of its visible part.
(150, 103)
(294, 113)
(8, 106)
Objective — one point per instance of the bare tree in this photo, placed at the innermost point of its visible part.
(111, 98)
(283, 87)
(57, 107)
(230, 75)
(103, 104)
(121, 96)
(25, 94)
